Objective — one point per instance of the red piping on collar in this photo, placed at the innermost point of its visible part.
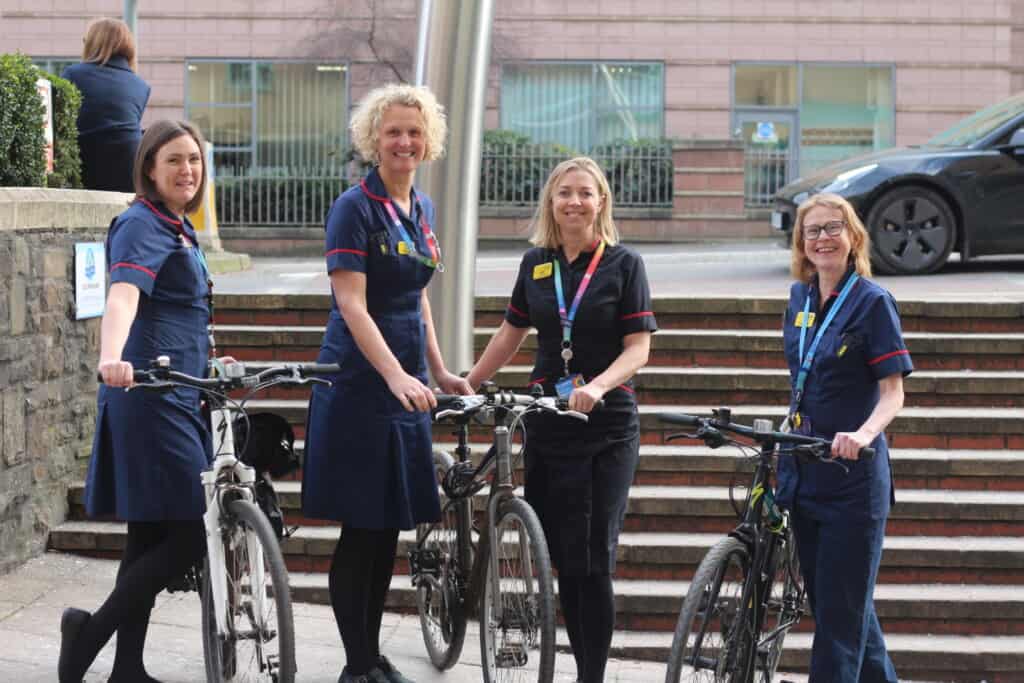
(157, 212)
(366, 190)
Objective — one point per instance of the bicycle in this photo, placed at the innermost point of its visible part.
(747, 592)
(509, 581)
(247, 624)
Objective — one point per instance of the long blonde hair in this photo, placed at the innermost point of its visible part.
(800, 266)
(106, 38)
(546, 232)
(365, 123)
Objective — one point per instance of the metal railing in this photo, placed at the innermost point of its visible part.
(765, 172)
(278, 196)
(640, 175)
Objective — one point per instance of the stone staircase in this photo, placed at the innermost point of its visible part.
(951, 587)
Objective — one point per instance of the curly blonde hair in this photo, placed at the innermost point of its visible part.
(366, 119)
(800, 266)
(545, 229)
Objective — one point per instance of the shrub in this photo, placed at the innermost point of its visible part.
(513, 169)
(302, 199)
(22, 143)
(67, 162)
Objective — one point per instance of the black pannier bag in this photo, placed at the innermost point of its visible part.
(267, 444)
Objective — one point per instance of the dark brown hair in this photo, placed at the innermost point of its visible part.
(157, 135)
(106, 38)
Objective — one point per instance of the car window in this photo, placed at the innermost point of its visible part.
(979, 124)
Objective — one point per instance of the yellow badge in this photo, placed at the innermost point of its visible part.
(799, 322)
(797, 419)
(841, 351)
(403, 248)
(542, 271)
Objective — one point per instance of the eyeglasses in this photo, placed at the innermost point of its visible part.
(832, 229)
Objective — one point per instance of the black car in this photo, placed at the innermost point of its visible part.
(961, 191)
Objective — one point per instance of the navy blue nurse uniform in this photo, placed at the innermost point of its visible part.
(109, 122)
(839, 517)
(368, 461)
(150, 448)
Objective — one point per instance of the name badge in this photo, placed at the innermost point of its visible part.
(542, 271)
(564, 386)
(403, 248)
(799, 322)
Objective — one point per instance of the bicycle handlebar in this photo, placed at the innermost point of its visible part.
(160, 377)
(714, 425)
(455, 405)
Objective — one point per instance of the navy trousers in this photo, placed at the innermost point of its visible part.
(839, 558)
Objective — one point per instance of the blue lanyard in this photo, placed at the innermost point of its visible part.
(808, 360)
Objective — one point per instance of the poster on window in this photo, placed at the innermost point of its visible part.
(90, 280)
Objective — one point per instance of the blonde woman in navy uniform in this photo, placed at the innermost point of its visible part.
(588, 297)
(368, 458)
(149, 448)
(847, 361)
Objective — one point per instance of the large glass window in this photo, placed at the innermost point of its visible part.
(581, 105)
(766, 85)
(54, 65)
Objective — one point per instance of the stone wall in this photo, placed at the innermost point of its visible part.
(47, 359)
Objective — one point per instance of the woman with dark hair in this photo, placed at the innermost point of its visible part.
(149, 448)
(847, 360)
(113, 99)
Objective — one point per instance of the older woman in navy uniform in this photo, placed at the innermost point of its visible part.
(847, 361)
(368, 446)
(588, 297)
(113, 99)
(149, 448)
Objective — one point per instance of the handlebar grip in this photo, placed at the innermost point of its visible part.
(139, 377)
(866, 453)
(680, 419)
(321, 369)
(446, 400)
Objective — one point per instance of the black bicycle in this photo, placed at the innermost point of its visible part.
(506, 571)
(747, 592)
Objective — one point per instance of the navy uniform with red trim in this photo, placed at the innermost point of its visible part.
(368, 461)
(150, 447)
(839, 517)
(578, 474)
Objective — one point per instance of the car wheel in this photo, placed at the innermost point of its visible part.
(912, 231)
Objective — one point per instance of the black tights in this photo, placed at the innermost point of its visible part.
(588, 605)
(155, 553)
(364, 561)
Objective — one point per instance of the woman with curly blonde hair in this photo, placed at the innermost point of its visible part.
(368, 445)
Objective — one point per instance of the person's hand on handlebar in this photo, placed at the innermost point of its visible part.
(847, 445)
(116, 373)
(411, 393)
(450, 383)
(583, 399)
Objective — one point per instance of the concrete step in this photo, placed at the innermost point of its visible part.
(672, 312)
(654, 556)
(690, 509)
(921, 427)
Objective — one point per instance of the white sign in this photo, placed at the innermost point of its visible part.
(45, 90)
(90, 279)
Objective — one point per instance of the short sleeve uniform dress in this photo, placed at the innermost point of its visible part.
(368, 461)
(838, 516)
(150, 448)
(578, 474)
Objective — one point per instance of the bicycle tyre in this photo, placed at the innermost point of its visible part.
(705, 634)
(528, 602)
(786, 604)
(233, 658)
(442, 616)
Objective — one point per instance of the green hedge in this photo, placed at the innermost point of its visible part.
(22, 143)
(269, 200)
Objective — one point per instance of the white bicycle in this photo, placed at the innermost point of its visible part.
(248, 630)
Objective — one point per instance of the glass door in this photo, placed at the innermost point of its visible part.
(770, 153)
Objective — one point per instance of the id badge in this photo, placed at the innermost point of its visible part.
(564, 386)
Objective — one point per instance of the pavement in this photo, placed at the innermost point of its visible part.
(34, 595)
(752, 268)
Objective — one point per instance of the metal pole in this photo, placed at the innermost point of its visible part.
(131, 17)
(454, 66)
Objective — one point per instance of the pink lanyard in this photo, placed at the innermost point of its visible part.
(432, 261)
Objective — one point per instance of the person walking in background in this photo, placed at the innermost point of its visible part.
(149, 448)
(368, 461)
(589, 299)
(847, 360)
(113, 100)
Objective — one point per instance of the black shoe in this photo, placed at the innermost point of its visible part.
(374, 675)
(71, 624)
(392, 674)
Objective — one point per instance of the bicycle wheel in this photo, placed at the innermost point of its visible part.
(259, 644)
(785, 606)
(711, 641)
(441, 579)
(523, 633)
